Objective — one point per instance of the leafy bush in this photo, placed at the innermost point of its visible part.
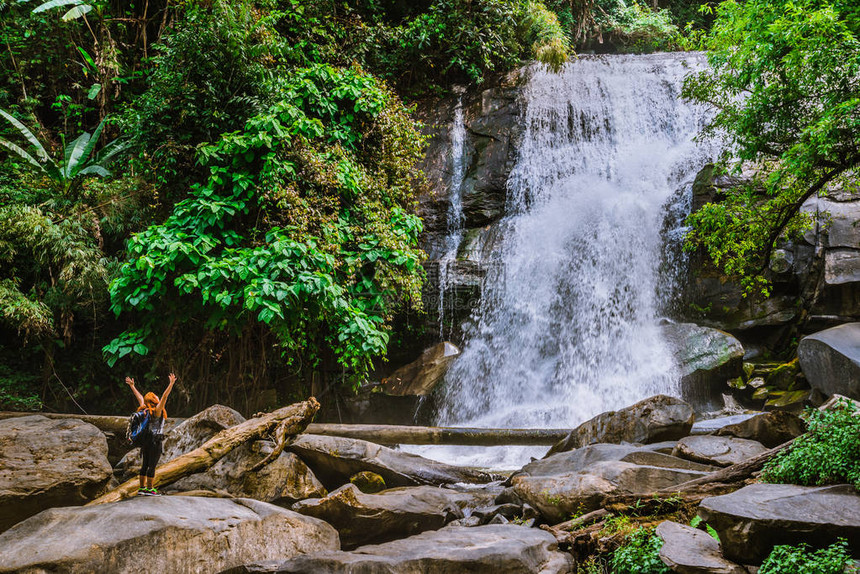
(637, 27)
(208, 77)
(801, 560)
(305, 226)
(465, 41)
(640, 554)
(828, 453)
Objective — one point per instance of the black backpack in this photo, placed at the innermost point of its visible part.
(138, 427)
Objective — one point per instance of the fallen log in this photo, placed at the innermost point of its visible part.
(575, 523)
(379, 434)
(404, 434)
(284, 422)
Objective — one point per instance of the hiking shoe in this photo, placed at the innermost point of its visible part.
(153, 492)
(143, 492)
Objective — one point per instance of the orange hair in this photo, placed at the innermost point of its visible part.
(150, 401)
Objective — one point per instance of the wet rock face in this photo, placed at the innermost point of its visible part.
(689, 551)
(285, 480)
(830, 359)
(46, 463)
(373, 518)
(493, 129)
(707, 358)
(657, 418)
(492, 549)
(754, 519)
(160, 534)
(580, 480)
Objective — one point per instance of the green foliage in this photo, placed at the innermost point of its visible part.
(784, 81)
(304, 225)
(50, 269)
(829, 452)
(209, 75)
(801, 559)
(18, 391)
(639, 554)
(637, 27)
(78, 7)
(77, 161)
(465, 41)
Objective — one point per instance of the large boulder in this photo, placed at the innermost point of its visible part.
(284, 480)
(770, 429)
(717, 450)
(581, 480)
(706, 358)
(335, 459)
(372, 518)
(830, 359)
(46, 463)
(160, 534)
(689, 551)
(754, 519)
(421, 375)
(492, 549)
(655, 419)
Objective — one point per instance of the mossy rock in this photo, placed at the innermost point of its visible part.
(368, 482)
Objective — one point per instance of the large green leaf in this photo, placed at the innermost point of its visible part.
(28, 135)
(88, 150)
(20, 152)
(95, 170)
(74, 152)
(55, 4)
(111, 150)
(77, 12)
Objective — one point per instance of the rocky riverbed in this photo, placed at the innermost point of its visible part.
(332, 504)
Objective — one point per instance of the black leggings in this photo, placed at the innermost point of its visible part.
(151, 452)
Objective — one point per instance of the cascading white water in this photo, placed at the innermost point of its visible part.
(455, 217)
(568, 324)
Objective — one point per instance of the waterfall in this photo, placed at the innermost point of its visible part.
(568, 325)
(455, 217)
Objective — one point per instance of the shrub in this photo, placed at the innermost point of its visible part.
(829, 453)
(640, 554)
(801, 560)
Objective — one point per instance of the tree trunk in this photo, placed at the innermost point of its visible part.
(291, 420)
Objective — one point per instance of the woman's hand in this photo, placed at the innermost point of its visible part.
(129, 381)
(171, 378)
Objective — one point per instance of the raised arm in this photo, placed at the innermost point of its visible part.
(130, 382)
(160, 408)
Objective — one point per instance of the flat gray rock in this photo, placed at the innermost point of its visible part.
(754, 519)
(396, 513)
(709, 426)
(160, 534)
(655, 419)
(491, 549)
(46, 463)
(689, 551)
(717, 450)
